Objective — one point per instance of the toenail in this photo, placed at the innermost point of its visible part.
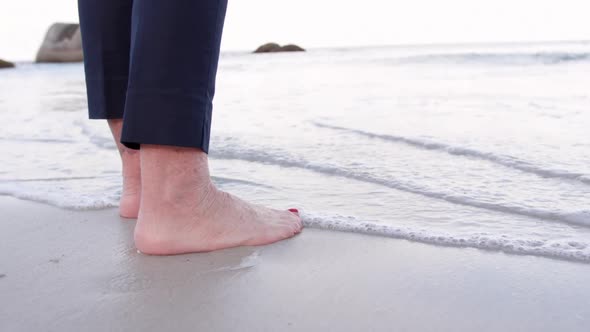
(294, 210)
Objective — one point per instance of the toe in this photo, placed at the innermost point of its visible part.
(296, 228)
(291, 218)
(290, 232)
(297, 224)
(296, 213)
(290, 222)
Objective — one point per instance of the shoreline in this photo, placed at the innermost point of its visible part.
(65, 270)
(387, 231)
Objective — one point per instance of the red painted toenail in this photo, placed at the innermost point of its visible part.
(294, 210)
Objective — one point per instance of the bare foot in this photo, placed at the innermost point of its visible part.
(131, 193)
(182, 211)
(130, 196)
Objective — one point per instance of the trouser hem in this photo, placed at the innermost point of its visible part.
(166, 118)
(106, 98)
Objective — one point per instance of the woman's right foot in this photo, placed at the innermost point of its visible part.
(181, 211)
(216, 221)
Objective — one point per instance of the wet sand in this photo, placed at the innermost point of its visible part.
(78, 271)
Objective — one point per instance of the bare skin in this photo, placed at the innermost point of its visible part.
(130, 196)
(181, 210)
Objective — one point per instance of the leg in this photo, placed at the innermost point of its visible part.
(106, 32)
(174, 54)
(131, 193)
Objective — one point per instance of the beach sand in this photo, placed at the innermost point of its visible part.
(64, 270)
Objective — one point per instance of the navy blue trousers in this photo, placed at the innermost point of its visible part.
(153, 63)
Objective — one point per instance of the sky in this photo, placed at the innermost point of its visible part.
(333, 23)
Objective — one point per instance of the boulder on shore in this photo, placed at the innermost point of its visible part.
(6, 64)
(274, 47)
(268, 47)
(290, 48)
(62, 43)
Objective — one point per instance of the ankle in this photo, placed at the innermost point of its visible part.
(171, 174)
(130, 164)
(170, 201)
(166, 215)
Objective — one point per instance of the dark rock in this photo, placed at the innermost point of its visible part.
(290, 48)
(62, 43)
(268, 47)
(274, 47)
(6, 64)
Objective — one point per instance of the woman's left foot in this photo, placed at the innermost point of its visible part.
(131, 193)
(130, 196)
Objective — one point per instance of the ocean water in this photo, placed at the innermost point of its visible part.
(483, 146)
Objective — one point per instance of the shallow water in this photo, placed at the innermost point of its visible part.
(479, 146)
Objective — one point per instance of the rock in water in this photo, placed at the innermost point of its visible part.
(63, 43)
(274, 47)
(6, 64)
(290, 48)
(268, 47)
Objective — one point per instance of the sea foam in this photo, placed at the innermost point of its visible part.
(284, 159)
(578, 250)
(519, 185)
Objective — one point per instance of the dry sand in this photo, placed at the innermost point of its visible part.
(78, 271)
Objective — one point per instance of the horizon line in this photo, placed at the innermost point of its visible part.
(401, 45)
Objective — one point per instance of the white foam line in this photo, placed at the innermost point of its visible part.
(279, 158)
(37, 140)
(42, 198)
(581, 218)
(73, 178)
(568, 250)
(506, 161)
